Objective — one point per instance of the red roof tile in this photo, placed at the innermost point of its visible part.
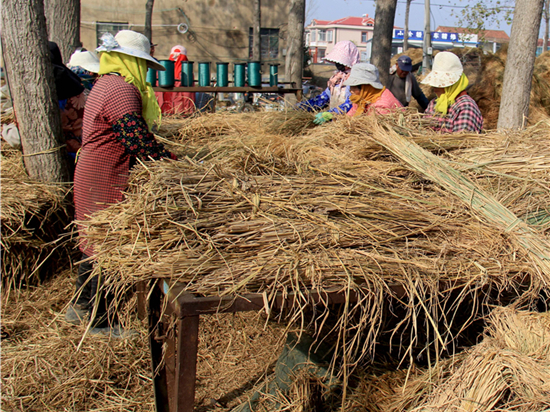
(346, 21)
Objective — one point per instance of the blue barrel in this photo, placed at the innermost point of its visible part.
(166, 78)
(187, 74)
(254, 74)
(239, 74)
(204, 74)
(152, 76)
(274, 74)
(222, 76)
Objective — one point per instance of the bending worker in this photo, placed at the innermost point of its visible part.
(368, 95)
(453, 110)
(336, 96)
(120, 112)
(402, 83)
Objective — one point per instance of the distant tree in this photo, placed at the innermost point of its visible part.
(256, 31)
(484, 14)
(518, 73)
(149, 19)
(63, 22)
(406, 31)
(382, 36)
(33, 90)
(294, 60)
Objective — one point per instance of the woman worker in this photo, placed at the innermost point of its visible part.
(85, 65)
(71, 97)
(177, 102)
(120, 111)
(453, 110)
(368, 95)
(336, 96)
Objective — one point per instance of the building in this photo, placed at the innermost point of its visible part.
(539, 46)
(205, 28)
(488, 40)
(322, 35)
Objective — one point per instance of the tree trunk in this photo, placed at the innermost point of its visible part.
(547, 20)
(33, 91)
(63, 22)
(149, 19)
(294, 60)
(406, 35)
(382, 36)
(516, 86)
(256, 39)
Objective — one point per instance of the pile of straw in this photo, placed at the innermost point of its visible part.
(508, 371)
(487, 90)
(43, 370)
(267, 219)
(33, 216)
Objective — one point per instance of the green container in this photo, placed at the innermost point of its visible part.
(239, 74)
(166, 78)
(273, 74)
(152, 77)
(187, 74)
(254, 74)
(204, 74)
(222, 77)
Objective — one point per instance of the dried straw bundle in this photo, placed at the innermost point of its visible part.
(437, 170)
(508, 371)
(221, 233)
(41, 370)
(33, 215)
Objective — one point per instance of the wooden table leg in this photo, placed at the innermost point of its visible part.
(186, 368)
(157, 333)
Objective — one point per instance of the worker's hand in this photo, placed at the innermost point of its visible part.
(322, 117)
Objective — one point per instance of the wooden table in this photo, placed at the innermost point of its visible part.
(174, 334)
(232, 89)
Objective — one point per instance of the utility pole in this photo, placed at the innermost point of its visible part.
(427, 62)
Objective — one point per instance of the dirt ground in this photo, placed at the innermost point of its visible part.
(47, 364)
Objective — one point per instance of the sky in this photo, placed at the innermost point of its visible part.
(444, 12)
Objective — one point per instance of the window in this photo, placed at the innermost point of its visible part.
(108, 27)
(313, 35)
(364, 37)
(269, 43)
(322, 35)
(321, 54)
(329, 35)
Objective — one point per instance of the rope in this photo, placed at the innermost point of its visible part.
(48, 151)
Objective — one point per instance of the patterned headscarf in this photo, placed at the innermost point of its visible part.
(344, 52)
(367, 95)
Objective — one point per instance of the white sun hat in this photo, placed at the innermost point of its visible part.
(364, 73)
(446, 70)
(85, 59)
(131, 43)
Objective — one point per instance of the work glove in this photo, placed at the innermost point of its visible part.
(323, 117)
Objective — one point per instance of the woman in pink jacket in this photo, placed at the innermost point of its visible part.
(368, 95)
